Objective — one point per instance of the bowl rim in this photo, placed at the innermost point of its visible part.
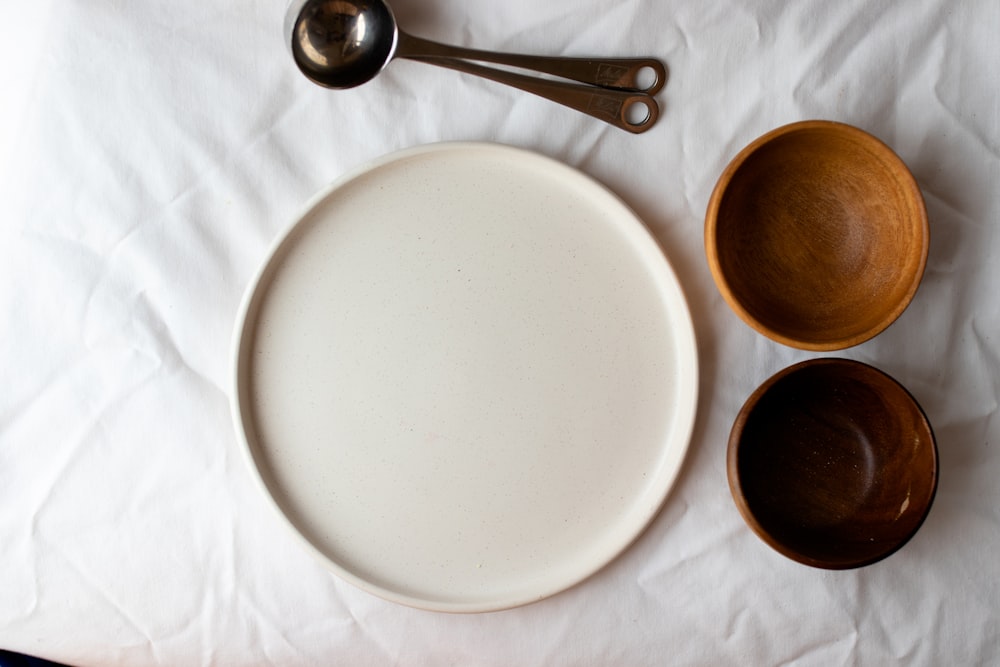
(711, 233)
(736, 482)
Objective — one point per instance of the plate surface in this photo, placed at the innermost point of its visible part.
(466, 376)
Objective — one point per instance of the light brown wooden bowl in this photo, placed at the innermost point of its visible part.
(833, 463)
(817, 235)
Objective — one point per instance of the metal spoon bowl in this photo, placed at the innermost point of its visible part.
(343, 43)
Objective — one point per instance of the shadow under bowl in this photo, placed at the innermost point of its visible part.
(817, 235)
(833, 463)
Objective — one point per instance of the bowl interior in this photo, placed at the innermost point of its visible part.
(817, 235)
(833, 463)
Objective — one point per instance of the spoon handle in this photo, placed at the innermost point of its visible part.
(634, 111)
(616, 73)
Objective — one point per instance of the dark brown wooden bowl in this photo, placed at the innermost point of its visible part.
(817, 235)
(833, 463)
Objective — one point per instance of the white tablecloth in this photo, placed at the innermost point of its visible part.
(152, 150)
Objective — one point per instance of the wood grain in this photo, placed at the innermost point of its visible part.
(833, 463)
(817, 235)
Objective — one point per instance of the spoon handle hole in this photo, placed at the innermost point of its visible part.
(649, 78)
(638, 113)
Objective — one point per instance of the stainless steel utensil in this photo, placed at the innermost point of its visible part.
(344, 43)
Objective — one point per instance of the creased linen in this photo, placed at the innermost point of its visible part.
(152, 151)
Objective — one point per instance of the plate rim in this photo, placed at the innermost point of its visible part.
(685, 346)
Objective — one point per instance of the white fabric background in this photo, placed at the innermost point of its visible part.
(149, 153)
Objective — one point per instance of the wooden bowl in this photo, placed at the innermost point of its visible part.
(833, 463)
(817, 236)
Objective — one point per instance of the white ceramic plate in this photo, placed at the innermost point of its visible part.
(466, 376)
